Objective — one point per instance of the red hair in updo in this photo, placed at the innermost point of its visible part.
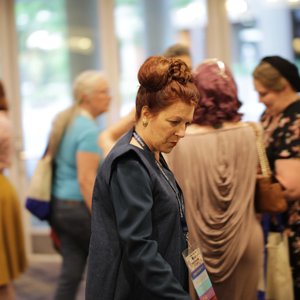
(219, 101)
(164, 81)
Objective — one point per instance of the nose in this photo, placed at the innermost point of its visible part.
(181, 131)
(108, 97)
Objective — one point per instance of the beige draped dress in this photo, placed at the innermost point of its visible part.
(216, 169)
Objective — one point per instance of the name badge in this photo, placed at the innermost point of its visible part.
(195, 263)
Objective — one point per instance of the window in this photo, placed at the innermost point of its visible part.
(260, 28)
(145, 28)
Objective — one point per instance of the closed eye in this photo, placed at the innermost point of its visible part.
(174, 122)
(263, 94)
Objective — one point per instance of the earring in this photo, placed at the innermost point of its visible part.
(145, 123)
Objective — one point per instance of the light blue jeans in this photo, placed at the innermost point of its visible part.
(72, 222)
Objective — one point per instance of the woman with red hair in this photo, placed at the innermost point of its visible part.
(215, 165)
(138, 222)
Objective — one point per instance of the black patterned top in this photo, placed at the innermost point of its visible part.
(282, 134)
(282, 141)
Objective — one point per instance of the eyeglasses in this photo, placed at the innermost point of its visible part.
(102, 92)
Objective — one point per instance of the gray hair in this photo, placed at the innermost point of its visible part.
(83, 84)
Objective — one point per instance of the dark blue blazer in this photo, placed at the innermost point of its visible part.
(137, 239)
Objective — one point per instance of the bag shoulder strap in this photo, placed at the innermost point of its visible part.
(260, 148)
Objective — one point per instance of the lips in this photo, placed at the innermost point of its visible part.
(173, 144)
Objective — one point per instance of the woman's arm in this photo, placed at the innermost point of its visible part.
(109, 136)
(87, 165)
(132, 199)
(288, 174)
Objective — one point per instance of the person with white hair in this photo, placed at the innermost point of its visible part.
(76, 157)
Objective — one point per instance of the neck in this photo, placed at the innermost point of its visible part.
(143, 133)
(84, 111)
(287, 99)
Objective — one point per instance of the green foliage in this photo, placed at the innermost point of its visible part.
(126, 2)
(27, 13)
(174, 3)
(180, 3)
(41, 67)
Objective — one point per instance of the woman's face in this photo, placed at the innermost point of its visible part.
(168, 126)
(270, 99)
(99, 98)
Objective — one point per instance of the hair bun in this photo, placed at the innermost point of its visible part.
(158, 71)
(179, 71)
(153, 74)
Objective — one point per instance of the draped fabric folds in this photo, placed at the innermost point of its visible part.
(216, 170)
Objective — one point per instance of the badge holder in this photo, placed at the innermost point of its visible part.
(194, 261)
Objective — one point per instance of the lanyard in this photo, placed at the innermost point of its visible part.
(176, 191)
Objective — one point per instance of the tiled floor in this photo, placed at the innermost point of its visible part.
(39, 281)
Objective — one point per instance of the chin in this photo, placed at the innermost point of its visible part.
(168, 150)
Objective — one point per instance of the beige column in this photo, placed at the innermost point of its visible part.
(218, 39)
(109, 55)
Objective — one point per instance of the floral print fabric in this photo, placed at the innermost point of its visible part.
(282, 141)
(282, 134)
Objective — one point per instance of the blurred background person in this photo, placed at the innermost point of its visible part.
(179, 51)
(216, 165)
(277, 83)
(133, 254)
(12, 249)
(74, 140)
(109, 136)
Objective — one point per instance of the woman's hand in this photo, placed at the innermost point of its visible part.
(110, 136)
(288, 174)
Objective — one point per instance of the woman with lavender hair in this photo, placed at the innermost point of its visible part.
(215, 165)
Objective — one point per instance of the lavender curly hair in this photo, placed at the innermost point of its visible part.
(219, 96)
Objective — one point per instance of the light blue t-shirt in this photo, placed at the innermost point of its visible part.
(81, 136)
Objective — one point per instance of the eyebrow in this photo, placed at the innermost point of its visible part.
(263, 92)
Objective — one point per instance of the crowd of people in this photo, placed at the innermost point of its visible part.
(179, 170)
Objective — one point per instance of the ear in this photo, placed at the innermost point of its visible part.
(145, 113)
(84, 99)
(287, 87)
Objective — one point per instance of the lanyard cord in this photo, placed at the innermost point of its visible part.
(178, 198)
